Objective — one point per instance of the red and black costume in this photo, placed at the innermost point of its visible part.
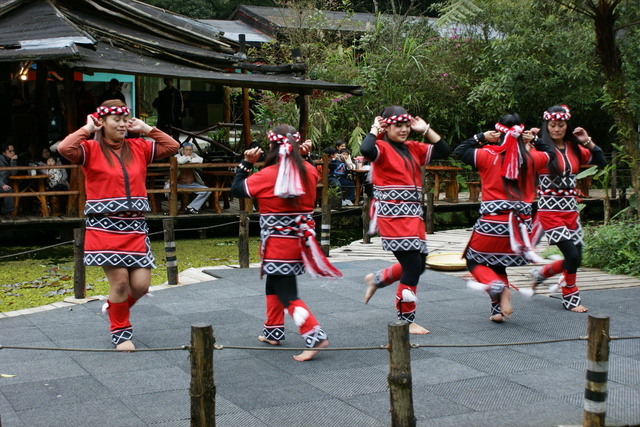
(116, 230)
(288, 245)
(396, 210)
(558, 216)
(501, 236)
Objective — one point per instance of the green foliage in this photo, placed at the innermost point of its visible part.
(46, 276)
(614, 248)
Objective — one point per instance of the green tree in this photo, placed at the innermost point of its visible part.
(614, 31)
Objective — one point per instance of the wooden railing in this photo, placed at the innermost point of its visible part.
(219, 175)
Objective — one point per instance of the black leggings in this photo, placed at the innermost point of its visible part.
(413, 264)
(284, 287)
(498, 269)
(572, 255)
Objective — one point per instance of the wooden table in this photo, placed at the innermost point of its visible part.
(220, 179)
(28, 184)
(448, 175)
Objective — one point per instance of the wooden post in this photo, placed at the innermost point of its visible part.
(137, 102)
(302, 101)
(173, 186)
(42, 118)
(366, 237)
(325, 230)
(400, 384)
(171, 260)
(79, 279)
(246, 108)
(226, 111)
(595, 390)
(203, 389)
(243, 240)
(614, 175)
(69, 96)
(429, 214)
(325, 179)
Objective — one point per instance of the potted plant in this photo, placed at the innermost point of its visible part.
(335, 197)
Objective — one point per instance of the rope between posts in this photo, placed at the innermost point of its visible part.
(95, 350)
(36, 250)
(276, 348)
(197, 228)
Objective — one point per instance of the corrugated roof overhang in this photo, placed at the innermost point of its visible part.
(109, 59)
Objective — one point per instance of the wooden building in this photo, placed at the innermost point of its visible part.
(53, 39)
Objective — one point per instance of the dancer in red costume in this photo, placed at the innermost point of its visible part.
(501, 236)
(557, 215)
(396, 207)
(115, 170)
(286, 193)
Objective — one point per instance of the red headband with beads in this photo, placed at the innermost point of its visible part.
(398, 119)
(559, 115)
(105, 111)
(277, 138)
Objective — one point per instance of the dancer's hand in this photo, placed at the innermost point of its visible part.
(419, 125)
(492, 136)
(93, 124)
(138, 126)
(305, 147)
(378, 125)
(252, 155)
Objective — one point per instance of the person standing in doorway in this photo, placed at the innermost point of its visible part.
(114, 92)
(170, 106)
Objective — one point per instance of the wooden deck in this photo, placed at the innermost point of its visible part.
(456, 240)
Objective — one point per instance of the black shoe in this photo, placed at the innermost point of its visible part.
(191, 211)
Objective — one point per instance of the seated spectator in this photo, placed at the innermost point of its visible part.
(58, 178)
(8, 158)
(338, 177)
(29, 157)
(190, 178)
(341, 147)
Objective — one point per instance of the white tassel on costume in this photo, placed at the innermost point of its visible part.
(519, 240)
(105, 307)
(562, 282)
(409, 296)
(313, 258)
(373, 218)
(526, 292)
(300, 315)
(477, 286)
(288, 182)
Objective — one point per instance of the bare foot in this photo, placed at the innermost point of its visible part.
(579, 309)
(414, 328)
(371, 287)
(505, 302)
(497, 318)
(262, 338)
(308, 354)
(125, 346)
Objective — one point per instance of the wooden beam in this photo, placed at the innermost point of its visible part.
(71, 108)
(42, 104)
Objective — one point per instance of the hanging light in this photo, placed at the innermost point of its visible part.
(24, 70)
